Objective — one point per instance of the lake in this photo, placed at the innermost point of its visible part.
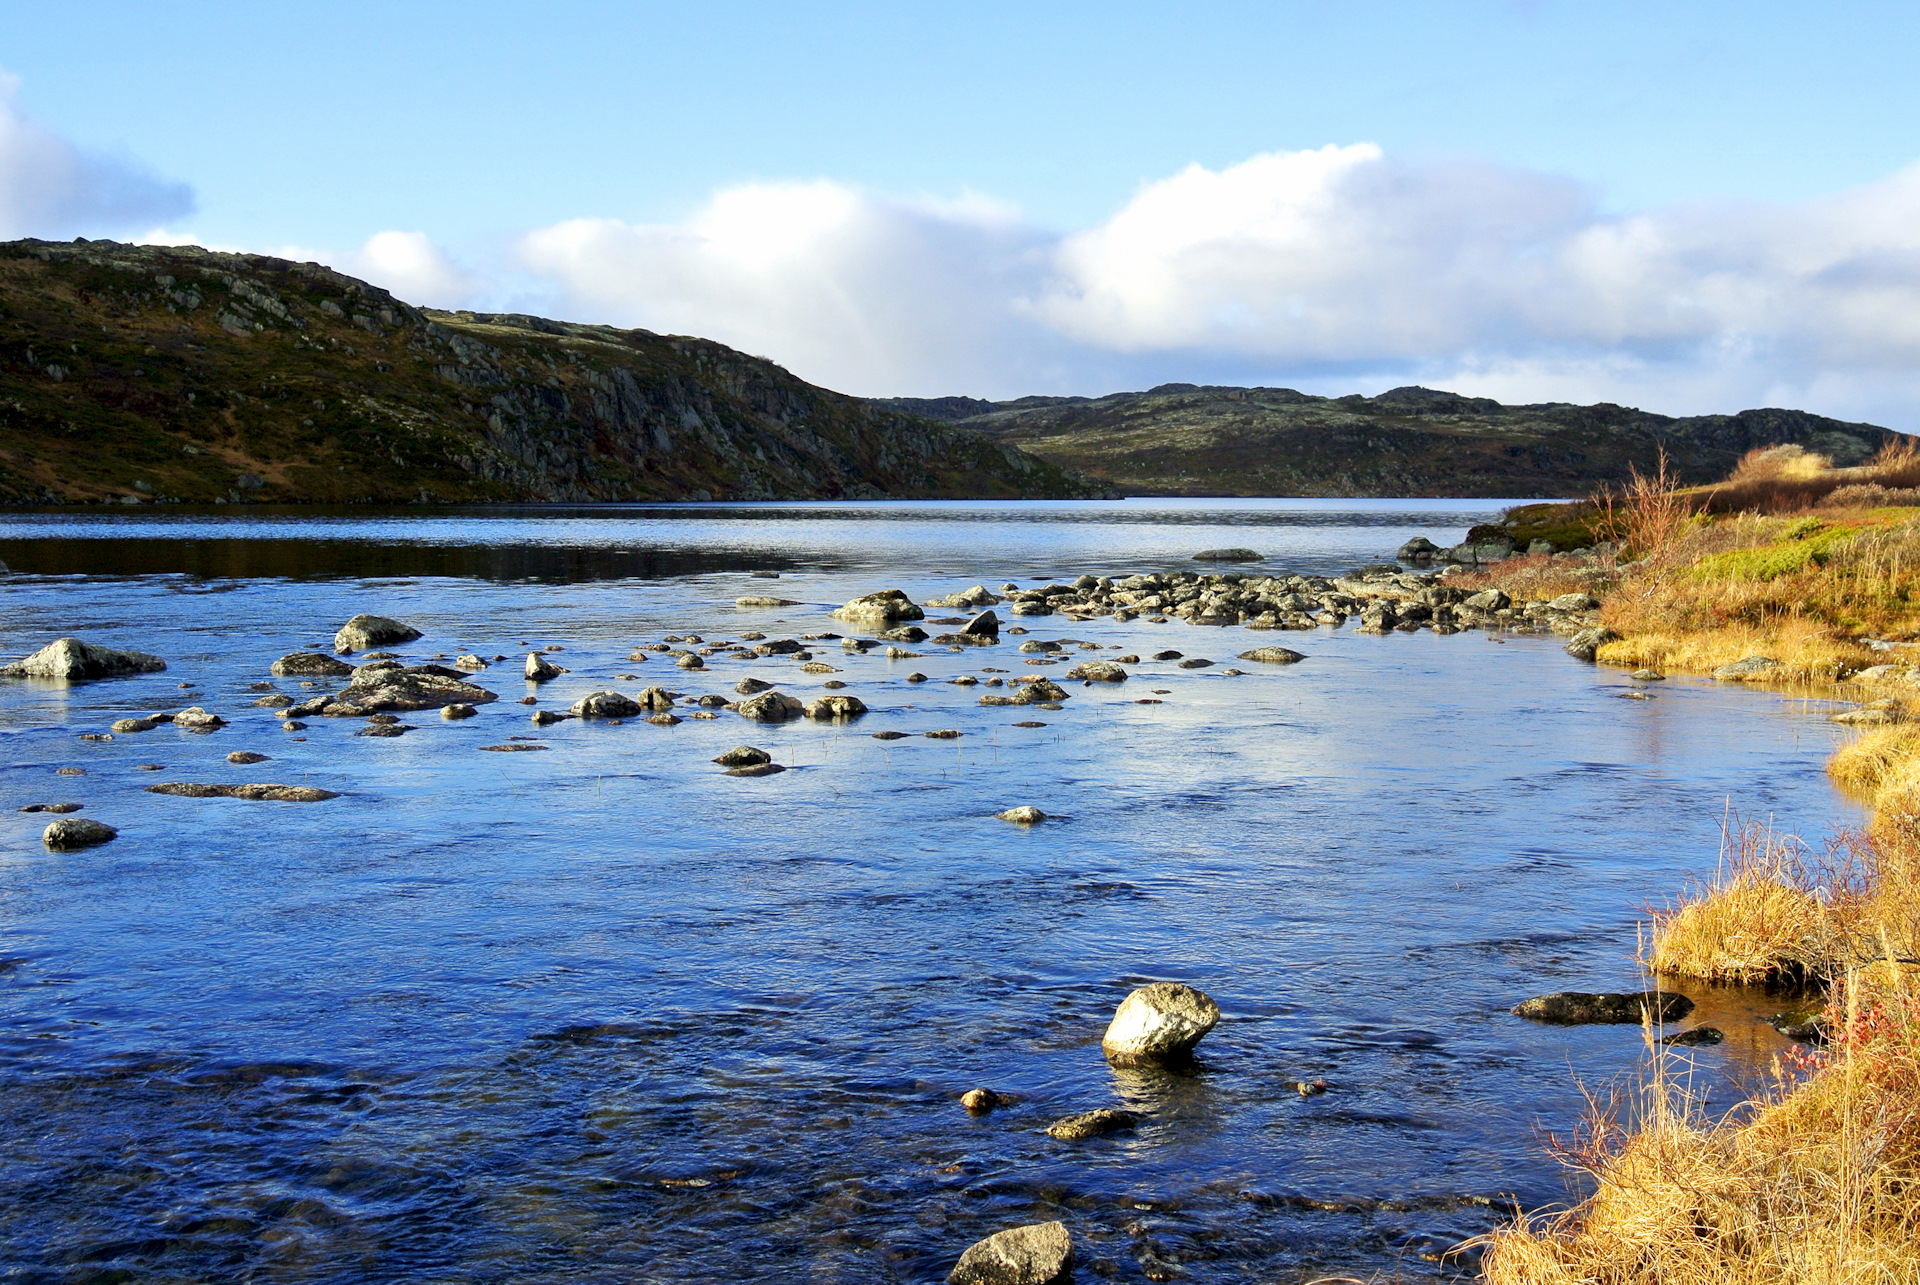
(603, 1012)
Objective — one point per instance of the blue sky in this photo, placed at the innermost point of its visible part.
(1690, 207)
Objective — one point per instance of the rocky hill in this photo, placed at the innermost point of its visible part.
(1181, 439)
(135, 373)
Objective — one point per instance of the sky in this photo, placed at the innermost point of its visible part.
(1691, 208)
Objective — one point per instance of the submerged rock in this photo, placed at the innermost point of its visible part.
(1039, 1254)
(126, 725)
(1589, 1008)
(984, 625)
(1743, 671)
(195, 719)
(1698, 1037)
(457, 711)
(744, 756)
(540, 669)
(752, 687)
(1098, 671)
(377, 687)
(1091, 1124)
(757, 600)
(1159, 1023)
(1228, 555)
(310, 664)
(365, 631)
(269, 793)
(77, 832)
(980, 1101)
(756, 769)
(244, 757)
(1584, 644)
(1025, 814)
(71, 659)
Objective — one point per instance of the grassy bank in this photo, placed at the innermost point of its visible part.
(1817, 1179)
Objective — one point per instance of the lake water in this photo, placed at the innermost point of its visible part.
(603, 1013)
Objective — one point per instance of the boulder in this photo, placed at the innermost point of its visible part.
(1157, 1024)
(691, 661)
(744, 756)
(1747, 670)
(984, 625)
(778, 647)
(457, 711)
(1025, 814)
(365, 631)
(1418, 549)
(1273, 655)
(310, 664)
(77, 832)
(905, 634)
(1698, 1037)
(1488, 600)
(471, 663)
(1040, 689)
(1585, 644)
(769, 707)
(244, 757)
(1091, 1124)
(73, 660)
(605, 705)
(1574, 602)
(880, 610)
(540, 669)
(1039, 1254)
(980, 1101)
(1098, 671)
(376, 688)
(756, 769)
(836, 708)
(1589, 1008)
(757, 600)
(1227, 555)
(195, 719)
(752, 687)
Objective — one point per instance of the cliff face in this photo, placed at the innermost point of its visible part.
(1180, 439)
(134, 373)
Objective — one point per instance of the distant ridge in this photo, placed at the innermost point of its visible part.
(138, 373)
(1190, 439)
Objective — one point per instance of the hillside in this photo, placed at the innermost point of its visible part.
(1179, 439)
(130, 373)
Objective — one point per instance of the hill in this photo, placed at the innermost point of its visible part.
(1182, 439)
(130, 373)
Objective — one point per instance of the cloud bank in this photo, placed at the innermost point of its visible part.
(1337, 268)
(51, 189)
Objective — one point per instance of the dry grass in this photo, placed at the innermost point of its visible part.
(1879, 763)
(1816, 1184)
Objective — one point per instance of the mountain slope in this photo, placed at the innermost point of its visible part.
(136, 372)
(1179, 439)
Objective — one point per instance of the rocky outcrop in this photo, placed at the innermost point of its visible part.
(1159, 1024)
(190, 374)
(73, 660)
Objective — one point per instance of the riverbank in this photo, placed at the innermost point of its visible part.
(1811, 580)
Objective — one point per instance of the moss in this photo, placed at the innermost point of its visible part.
(1811, 548)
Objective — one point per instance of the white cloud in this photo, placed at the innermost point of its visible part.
(412, 267)
(1334, 268)
(51, 189)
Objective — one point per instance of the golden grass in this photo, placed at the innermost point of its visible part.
(1817, 1184)
(1879, 763)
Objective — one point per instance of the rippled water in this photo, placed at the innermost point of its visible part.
(603, 1013)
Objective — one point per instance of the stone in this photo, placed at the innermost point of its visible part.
(756, 769)
(540, 669)
(984, 625)
(73, 660)
(1038, 1254)
(547, 717)
(512, 747)
(58, 809)
(244, 757)
(275, 701)
(457, 711)
(1157, 1024)
(1196, 662)
(1273, 655)
(1589, 1008)
(269, 793)
(1418, 549)
(1025, 814)
(744, 756)
(916, 677)
(656, 698)
(469, 662)
(1488, 600)
(943, 734)
(889, 736)
(980, 1101)
(77, 832)
(1587, 643)
(1647, 676)
(126, 725)
(365, 631)
(1098, 671)
(690, 661)
(757, 600)
(1698, 1037)
(1038, 691)
(1574, 602)
(905, 634)
(1747, 670)
(770, 707)
(195, 719)
(882, 610)
(1091, 1124)
(605, 705)
(386, 686)
(778, 647)
(1227, 555)
(309, 664)
(752, 687)
(836, 708)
